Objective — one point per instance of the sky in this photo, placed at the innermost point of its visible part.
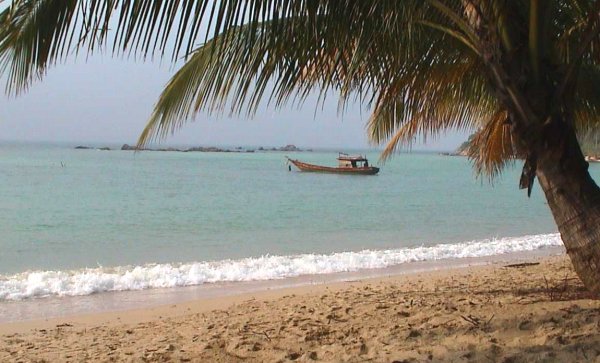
(103, 99)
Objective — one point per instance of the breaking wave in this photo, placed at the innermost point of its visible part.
(96, 280)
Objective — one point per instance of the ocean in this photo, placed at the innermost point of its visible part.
(82, 222)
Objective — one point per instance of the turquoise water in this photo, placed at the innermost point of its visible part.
(110, 208)
(64, 209)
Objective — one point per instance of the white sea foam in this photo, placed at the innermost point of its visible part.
(89, 281)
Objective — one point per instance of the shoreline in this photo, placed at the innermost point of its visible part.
(18, 316)
(194, 278)
(536, 310)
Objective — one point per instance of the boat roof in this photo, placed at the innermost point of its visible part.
(347, 157)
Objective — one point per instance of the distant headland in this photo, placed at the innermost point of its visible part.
(209, 149)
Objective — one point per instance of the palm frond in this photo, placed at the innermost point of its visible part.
(574, 20)
(586, 105)
(29, 34)
(285, 59)
(424, 66)
(491, 148)
(148, 27)
(429, 101)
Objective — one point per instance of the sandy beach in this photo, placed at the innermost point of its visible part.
(532, 311)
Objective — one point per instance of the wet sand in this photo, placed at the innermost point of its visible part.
(534, 311)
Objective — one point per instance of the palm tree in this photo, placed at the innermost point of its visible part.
(524, 73)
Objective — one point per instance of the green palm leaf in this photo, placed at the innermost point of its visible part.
(423, 66)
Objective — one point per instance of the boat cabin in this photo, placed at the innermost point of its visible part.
(352, 161)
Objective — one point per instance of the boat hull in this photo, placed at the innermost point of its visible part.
(369, 170)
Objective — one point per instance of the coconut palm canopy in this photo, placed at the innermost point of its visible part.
(524, 73)
(421, 65)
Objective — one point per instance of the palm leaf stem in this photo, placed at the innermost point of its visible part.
(457, 20)
(534, 37)
(453, 33)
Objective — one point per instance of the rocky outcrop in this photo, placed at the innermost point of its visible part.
(82, 147)
(129, 147)
(209, 149)
(214, 149)
(463, 149)
(289, 148)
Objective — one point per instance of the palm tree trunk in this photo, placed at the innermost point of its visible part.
(574, 199)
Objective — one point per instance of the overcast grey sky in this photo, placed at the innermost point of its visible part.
(107, 100)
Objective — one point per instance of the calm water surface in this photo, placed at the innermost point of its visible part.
(113, 208)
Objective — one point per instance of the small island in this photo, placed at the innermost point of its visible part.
(214, 149)
(204, 149)
(83, 147)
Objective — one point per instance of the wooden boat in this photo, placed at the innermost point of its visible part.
(348, 164)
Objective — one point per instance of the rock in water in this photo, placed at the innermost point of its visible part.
(128, 147)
